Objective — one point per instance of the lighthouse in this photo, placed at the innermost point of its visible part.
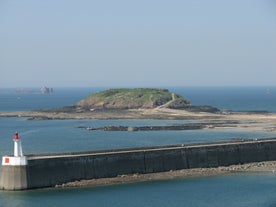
(18, 158)
(17, 146)
(13, 173)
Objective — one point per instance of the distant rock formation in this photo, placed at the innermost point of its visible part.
(22, 91)
(45, 89)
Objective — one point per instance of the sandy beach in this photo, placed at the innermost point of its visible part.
(238, 120)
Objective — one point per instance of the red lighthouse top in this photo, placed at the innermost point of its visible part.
(16, 136)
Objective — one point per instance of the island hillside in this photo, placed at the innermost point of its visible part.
(138, 98)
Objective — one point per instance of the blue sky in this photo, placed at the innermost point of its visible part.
(137, 43)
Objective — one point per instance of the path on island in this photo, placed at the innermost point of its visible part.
(165, 105)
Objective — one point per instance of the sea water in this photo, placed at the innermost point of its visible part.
(239, 190)
(51, 136)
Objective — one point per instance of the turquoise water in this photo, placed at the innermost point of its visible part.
(53, 136)
(232, 98)
(50, 136)
(242, 190)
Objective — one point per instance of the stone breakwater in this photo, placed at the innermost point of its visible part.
(255, 167)
(56, 169)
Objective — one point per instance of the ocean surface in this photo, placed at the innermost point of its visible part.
(51, 136)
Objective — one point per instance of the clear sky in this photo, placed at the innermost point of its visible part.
(127, 43)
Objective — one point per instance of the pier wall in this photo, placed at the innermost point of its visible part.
(48, 171)
(14, 178)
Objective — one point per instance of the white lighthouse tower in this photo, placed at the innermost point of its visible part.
(18, 158)
(17, 146)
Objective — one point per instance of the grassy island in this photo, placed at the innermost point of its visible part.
(125, 98)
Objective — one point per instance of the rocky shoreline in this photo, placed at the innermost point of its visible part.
(200, 120)
(257, 167)
(189, 126)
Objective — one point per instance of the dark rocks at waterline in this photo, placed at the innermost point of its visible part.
(192, 126)
(40, 118)
(204, 108)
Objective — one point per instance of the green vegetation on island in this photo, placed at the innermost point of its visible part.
(136, 98)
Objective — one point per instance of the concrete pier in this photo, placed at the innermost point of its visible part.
(14, 178)
(54, 169)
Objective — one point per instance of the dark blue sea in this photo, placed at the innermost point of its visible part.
(50, 136)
